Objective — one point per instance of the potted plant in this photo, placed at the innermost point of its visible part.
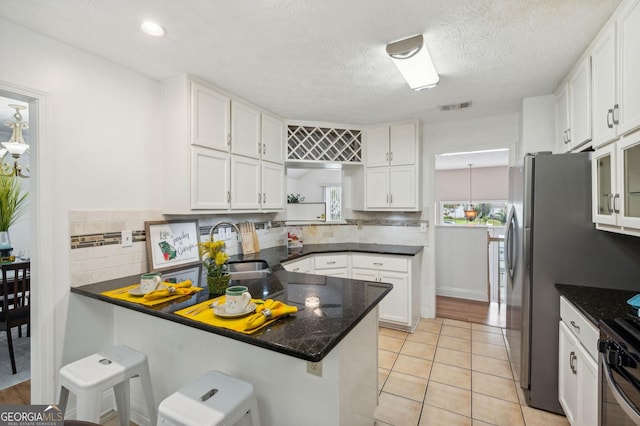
(214, 259)
(13, 205)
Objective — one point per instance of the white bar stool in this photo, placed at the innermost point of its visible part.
(214, 399)
(89, 377)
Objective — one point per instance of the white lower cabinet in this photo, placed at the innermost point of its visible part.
(401, 306)
(303, 266)
(334, 265)
(578, 369)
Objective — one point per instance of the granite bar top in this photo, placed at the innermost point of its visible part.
(598, 303)
(311, 333)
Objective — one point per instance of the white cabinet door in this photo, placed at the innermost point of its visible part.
(245, 130)
(377, 187)
(402, 142)
(580, 104)
(395, 306)
(303, 266)
(273, 138)
(562, 119)
(210, 112)
(364, 274)
(628, 180)
(402, 187)
(603, 176)
(377, 147)
(587, 389)
(603, 73)
(629, 67)
(568, 373)
(272, 197)
(210, 179)
(333, 272)
(245, 183)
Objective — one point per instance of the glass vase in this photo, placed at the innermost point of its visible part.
(217, 285)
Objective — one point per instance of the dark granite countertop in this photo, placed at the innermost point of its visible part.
(309, 334)
(598, 303)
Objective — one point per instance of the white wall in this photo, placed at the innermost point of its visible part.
(538, 125)
(104, 129)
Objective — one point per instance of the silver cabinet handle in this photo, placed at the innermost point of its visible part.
(610, 203)
(391, 156)
(259, 148)
(577, 327)
(332, 262)
(572, 362)
(568, 136)
(228, 196)
(377, 263)
(259, 198)
(296, 269)
(264, 148)
(229, 139)
(610, 118)
(616, 114)
(390, 198)
(616, 205)
(264, 197)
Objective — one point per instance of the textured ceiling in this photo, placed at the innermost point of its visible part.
(325, 60)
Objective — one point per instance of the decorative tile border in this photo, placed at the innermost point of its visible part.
(115, 238)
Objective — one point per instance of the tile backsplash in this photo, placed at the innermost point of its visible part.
(96, 252)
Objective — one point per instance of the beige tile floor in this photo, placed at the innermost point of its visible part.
(450, 373)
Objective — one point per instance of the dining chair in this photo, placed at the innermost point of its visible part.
(14, 290)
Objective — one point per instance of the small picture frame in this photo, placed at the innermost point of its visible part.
(171, 244)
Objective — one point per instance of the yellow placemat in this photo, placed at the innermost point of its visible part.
(123, 294)
(203, 313)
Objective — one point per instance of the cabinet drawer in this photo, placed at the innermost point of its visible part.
(386, 263)
(303, 265)
(580, 326)
(331, 261)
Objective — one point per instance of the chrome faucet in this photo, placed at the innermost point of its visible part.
(214, 227)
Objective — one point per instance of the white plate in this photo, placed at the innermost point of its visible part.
(221, 311)
(137, 292)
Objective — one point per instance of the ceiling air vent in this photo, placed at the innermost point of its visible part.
(454, 107)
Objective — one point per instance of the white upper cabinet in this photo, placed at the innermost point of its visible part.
(393, 145)
(210, 112)
(273, 136)
(562, 119)
(605, 105)
(392, 167)
(377, 146)
(580, 104)
(629, 67)
(245, 130)
(214, 148)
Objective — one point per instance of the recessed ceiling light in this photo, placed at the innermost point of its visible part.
(152, 28)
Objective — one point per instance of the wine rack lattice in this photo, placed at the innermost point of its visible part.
(324, 144)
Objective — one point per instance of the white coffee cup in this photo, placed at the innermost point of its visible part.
(237, 299)
(150, 281)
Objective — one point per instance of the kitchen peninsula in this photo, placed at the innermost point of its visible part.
(317, 366)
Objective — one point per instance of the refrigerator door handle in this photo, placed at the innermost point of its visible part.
(510, 252)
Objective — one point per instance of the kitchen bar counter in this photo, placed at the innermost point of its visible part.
(598, 303)
(308, 334)
(318, 366)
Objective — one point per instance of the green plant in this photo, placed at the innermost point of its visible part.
(13, 202)
(294, 198)
(213, 257)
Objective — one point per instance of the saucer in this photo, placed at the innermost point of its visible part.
(221, 311)
(137, 292)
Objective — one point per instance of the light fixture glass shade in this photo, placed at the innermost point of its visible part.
(414, 62)
(470, 214)
(15, 148)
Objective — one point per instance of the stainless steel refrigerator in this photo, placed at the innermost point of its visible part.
(550, 239)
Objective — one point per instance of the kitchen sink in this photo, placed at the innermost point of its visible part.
(248, 270)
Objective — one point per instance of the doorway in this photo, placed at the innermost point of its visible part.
(20, 237)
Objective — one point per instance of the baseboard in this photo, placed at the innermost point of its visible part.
(459, 293)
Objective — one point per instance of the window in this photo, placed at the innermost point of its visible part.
(333, 203)
(492, 212)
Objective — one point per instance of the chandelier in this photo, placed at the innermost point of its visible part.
(470, 213)
(16, 146)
